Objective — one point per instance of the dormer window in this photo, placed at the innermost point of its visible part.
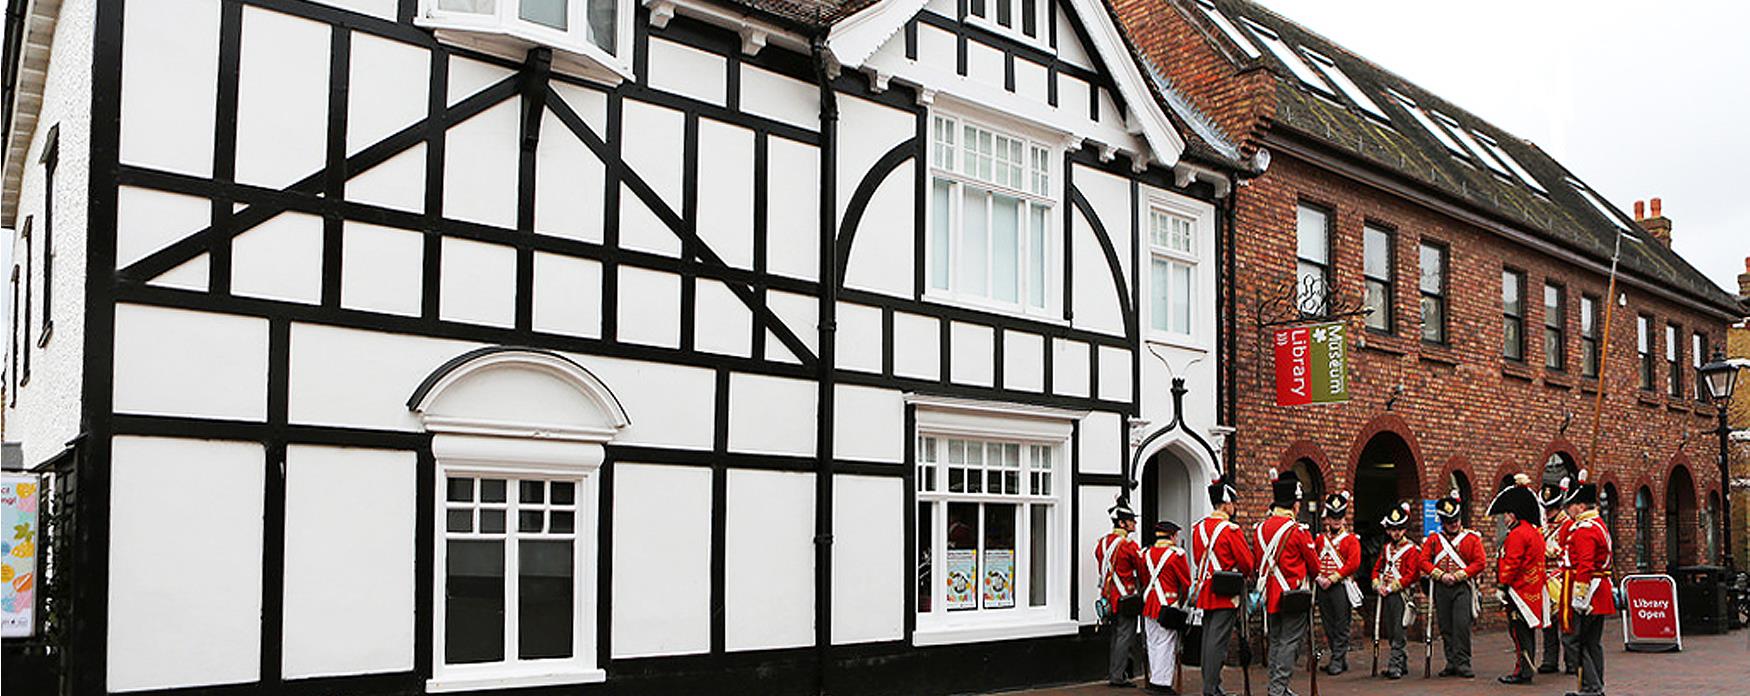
(588, 36)
(1023, 18)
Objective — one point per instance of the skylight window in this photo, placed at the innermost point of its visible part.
(1288, 57)
(1597, 203)
(1513, 164)
(1342, 81)
(1227, 27)
(1416, 112)
(1471, 144)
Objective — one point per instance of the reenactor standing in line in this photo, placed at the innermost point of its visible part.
(1120, 564)
(1394, 577)
(1558, 640)
(1592, 590)
(1285, 561)
(1220, 560)
(1453, 557)
(1169, 576)
(1519, 571)
(1339, 554)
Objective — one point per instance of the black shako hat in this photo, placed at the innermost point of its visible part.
(1284, 489)
(1398, 517)
(1121, 510)
(1337, 506)
(1450, 507)
(1519, 499)
(1221, 490)
(1166, 528)
(1585, 492)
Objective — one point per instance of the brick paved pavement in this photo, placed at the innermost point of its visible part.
(1707, 665)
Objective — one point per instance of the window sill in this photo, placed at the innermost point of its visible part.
(974, 303)
(924, 637)
(1381, 343)
(1557, 380)
(1438, 355)
(1647, 399)
(1516, 370)
(509, 680)
(511, 44)
(1677, 404)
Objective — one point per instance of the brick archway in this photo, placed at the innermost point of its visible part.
(1560, 446)
(1384, 423)
(1460, 465)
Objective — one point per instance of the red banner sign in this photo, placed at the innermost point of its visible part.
(1312, 364)
(1650, 612)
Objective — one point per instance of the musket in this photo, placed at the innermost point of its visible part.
(1245, 643)
(1378, 599)
(1428, 633)
(1312, 653)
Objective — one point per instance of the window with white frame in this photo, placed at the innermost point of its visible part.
(1172, 271)
(991, 210)
(510, 582)
(1020, 17)
(598, 30)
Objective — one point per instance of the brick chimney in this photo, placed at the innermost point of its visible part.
(1655, 224)
(1744, 280)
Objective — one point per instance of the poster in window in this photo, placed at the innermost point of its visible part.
(999, 578)
(962, 579)
(18, 541)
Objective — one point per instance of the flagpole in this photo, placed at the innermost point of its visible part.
(1604, 353)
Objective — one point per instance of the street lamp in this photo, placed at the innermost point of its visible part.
(1721, 376)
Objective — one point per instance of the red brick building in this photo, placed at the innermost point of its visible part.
(1485, 263)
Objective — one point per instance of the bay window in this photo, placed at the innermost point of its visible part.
(990, 216)
(593, 35)
(1172, 272)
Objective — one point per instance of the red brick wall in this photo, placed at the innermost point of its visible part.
(1188, 52)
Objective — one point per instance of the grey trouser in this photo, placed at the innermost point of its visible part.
(1589, 643)
(1218, 626)
(1334, 613)
(1391, 628)
(1559, 645)
(1523, 637)
(1452, 607)
(1286, 632)
(1123, 637)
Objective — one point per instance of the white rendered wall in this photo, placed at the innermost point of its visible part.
(769, 560)
(771, 415)
(480, 167)
(869, 559)
(860, 338)
(662, 560)
(917, 345)
(1102, 451)
(869, 424)
(883, 254)
(178, 362)
(1069, 367)
(1094, 523)
(768, 94)
(170, 66)
(185, 524)
(726, 188)
(1110, 197)
(793, 228)
(686, 71)
(1023, 361)
(973, 352)
(349, 551)
(282, 98)
(1096, 300)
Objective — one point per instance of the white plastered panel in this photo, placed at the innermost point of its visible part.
(766, 93)
(800, 314)
(282, 98)
(280, 259)
(381, 9)
(723, 323)
(653, 144)
(793, 218)
(569, 184)
(642, 230)
(190, 275)
(726, 191)
(1069, 48)
(687, 71)
(468, 77)
(590, 104)
(1115, 382)
(399, 182)
(478, 283)
(936, 46)
(882, 255)
(650, 307)
(868, 558)
(360, 378)
(1096, 297)
(1032, 81)
(568, 295)
(170, 67)
(771, 415)
(1110, 197)
(1023, 361)
(381, 268)
(868, 424)
(670, 405)
(917, 346)
(349, 561)
(984, 64)
(769, 560)
(859, 338)
(1069, 367)
(480, 167)
(184, 611)
(878, 129)
(149, 220)
(973, 354)
(1102, 452)
(176, 362)
(662, 596)
(1095, 500)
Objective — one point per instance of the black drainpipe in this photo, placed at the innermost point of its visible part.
(1230, 388)
(829, 295)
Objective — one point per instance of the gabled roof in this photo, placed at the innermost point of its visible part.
(1400, 142)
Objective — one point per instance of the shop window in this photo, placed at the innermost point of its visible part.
(991, 212)
(1513, 314)
(1589, 323)
(1379, 268)
(592, 36)
(1432, 286)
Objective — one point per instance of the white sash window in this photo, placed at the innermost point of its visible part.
(510, 553)
(593, 36)
(991, 216)
(1173, 265)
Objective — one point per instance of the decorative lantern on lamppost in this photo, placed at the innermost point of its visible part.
(1721, 377)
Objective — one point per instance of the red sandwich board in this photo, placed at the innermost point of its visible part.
(1649, 615)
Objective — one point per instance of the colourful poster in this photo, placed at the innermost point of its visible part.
(18, 499)
(1312, 365)
(962, 578)
(999, 578)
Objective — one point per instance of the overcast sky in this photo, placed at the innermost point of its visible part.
(1638, 99)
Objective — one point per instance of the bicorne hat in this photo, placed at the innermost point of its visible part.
(1519, 499)
(1399, 517)
(1450, 507)
(1337, 506)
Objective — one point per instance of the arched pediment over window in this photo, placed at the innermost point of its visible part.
(518, 392)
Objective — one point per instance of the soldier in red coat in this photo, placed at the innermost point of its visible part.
(1285, 564)
(1558, 637)
(1452, 558)
(1394, 577)
(1339, 553)
(1169, 576)
(1520, 572)
(1589, 552)
(1120, 563)
(1218, 546)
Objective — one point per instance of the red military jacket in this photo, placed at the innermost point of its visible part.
(1555, 546)
(1589, 550)
(1398, 566)
(1521, 570)
(1293, 559)
(1339, 558)
(1124, 574)
(1169, 576)
(1442, 554)
(1216, 545)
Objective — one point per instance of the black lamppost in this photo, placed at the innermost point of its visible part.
(1721, 376)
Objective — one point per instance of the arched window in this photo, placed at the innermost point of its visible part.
(1461, 483)
(1643, 529)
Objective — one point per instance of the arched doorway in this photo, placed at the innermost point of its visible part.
(1168, 491)
(1312, 484)
(1456, 480)
(1385, 474)
(1560, 465)
(1680, 522)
